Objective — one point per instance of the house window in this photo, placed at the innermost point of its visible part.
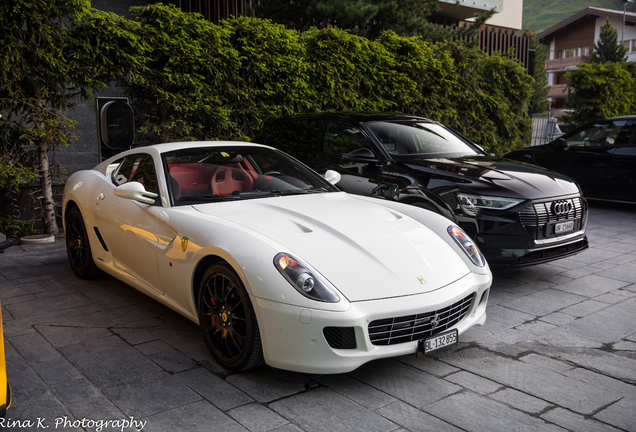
(574, 52)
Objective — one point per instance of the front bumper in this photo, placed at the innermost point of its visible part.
(525, 235)
(294, 339)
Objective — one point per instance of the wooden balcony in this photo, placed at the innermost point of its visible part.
(562, 63)
(558, 91)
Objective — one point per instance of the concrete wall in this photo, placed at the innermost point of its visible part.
(82, 153)
(510, 17)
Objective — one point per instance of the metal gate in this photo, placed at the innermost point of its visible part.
(544, 129)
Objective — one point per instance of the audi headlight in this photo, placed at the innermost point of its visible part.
(472, 203)
(304, 280)
(467, 245)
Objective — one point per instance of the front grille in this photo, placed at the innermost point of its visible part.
(539, 219)
(340, 337)
(392, 331)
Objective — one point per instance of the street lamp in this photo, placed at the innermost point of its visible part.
(624, 13)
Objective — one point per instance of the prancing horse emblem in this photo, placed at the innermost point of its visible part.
(435, 322)
(421, 279)
(184, 243)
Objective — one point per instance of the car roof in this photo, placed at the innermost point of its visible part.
(158, 149)
(626, 117)
(166, 147)
(363, 116)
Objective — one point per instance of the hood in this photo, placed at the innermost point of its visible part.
(497, 176)
(363, 249)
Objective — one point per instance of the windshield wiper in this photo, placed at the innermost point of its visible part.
(303, 191)
(206, 197)
(278, 192)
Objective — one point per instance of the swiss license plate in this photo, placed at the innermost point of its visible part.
(563, 227)
(440, 341)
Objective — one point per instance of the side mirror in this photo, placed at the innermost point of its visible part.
(560, 143)
(135, 191)
(360, 154)
(332, 176)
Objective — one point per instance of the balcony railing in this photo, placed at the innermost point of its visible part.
(565, 63)
(558, 91)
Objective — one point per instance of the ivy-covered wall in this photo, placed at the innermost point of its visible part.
(221, 82)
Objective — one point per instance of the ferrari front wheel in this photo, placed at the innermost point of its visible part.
(78, 247)
(228, 321)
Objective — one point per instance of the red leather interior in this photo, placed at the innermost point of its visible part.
(200, 179)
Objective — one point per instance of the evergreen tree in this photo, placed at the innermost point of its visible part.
(539, 102)
(607, 49)
(601, 91)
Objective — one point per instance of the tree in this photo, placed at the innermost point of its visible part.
(368, 18)
(55, 53)
(421, 79)
(607, 49)
(490, 99)
(539, 102)
(345, 71)
(601, 91)
(190, 68)
(271, 79)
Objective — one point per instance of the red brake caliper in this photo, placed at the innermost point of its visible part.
(212, 317)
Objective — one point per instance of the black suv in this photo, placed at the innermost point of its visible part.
(519, 214)
(600, 156)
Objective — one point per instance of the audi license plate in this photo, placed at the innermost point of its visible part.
(563, 227)
(440, 341)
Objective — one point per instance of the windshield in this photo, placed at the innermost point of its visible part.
(211, 174)
(408, 140)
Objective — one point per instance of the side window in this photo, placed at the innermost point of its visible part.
(630, 135)
(139, 168)
(301, 138)
(601, 134)
(344, 137)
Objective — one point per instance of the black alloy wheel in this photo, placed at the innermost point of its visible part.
(228, 321)
(78, 247)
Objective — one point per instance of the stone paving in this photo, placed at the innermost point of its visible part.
(557, 353)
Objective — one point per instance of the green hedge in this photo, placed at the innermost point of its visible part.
(205, 81)
(601, 90)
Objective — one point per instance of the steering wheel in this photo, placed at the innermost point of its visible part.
(260, 178)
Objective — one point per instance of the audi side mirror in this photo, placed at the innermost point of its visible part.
(360, 155)
(560, 144)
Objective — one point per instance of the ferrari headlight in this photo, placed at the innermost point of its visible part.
(472, 203)
(304, 280)
(467, 245)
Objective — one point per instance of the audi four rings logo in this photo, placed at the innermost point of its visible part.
(562, 207)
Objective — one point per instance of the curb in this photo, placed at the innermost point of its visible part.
(37, 238)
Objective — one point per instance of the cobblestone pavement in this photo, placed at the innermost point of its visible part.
(558, 352)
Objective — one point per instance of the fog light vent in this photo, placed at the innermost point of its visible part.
(340, 337)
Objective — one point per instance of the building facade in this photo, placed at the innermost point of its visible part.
(572, 42)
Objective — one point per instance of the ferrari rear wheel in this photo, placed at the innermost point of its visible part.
(78, 247)
(228, 321)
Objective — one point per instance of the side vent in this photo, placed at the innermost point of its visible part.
(101, 240)
(340, 337)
